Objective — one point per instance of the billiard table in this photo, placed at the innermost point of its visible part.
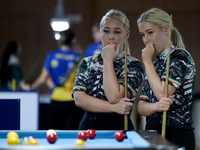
(104, 140)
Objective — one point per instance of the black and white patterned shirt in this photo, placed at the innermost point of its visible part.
(89, 76)
(182, 74)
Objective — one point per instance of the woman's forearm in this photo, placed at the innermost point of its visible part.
(92, 104)
(114, 92)
(155, 82)
(96, 105)
(147, 109)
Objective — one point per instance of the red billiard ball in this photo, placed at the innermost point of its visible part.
(119, 136)
(51, 136)
(82, 135)
(91, 133)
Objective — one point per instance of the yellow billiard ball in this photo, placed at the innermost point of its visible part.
(12, 140)
(33, 142)
(12, 133)
(79, 142)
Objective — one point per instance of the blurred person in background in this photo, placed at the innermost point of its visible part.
(10, 70)
(97, 46)
(60, 67)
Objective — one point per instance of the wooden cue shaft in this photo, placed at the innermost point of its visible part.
(166, 83)
(125, 71)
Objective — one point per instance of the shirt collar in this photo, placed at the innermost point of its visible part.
(165, 52)
(120, 56)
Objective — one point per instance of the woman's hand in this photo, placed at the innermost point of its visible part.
(164, 103)
(147, 53)
(110, 51)
(123, 107)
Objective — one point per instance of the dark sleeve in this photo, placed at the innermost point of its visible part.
(80, 83)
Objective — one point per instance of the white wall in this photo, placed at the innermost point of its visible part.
(29, 107)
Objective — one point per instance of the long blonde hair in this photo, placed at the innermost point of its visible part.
(160, 18)
(116, 14)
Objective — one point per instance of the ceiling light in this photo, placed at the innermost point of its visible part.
(61, 22)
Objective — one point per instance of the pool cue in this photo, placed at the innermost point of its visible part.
(166, 82)
(125, 72)
(13, 84)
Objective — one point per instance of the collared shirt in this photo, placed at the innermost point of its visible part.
(89, 76)
(182, 74)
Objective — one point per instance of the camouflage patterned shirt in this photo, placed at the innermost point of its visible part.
(89, 76)
(182, 74)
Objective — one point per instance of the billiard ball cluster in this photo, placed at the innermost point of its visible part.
(83, 136)
(29, 140)
(51, 136)
(91, 134)
(13, 139)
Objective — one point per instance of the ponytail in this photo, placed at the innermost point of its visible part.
(177, 38)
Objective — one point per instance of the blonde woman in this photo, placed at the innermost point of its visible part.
(99, 84)
(154, 28)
